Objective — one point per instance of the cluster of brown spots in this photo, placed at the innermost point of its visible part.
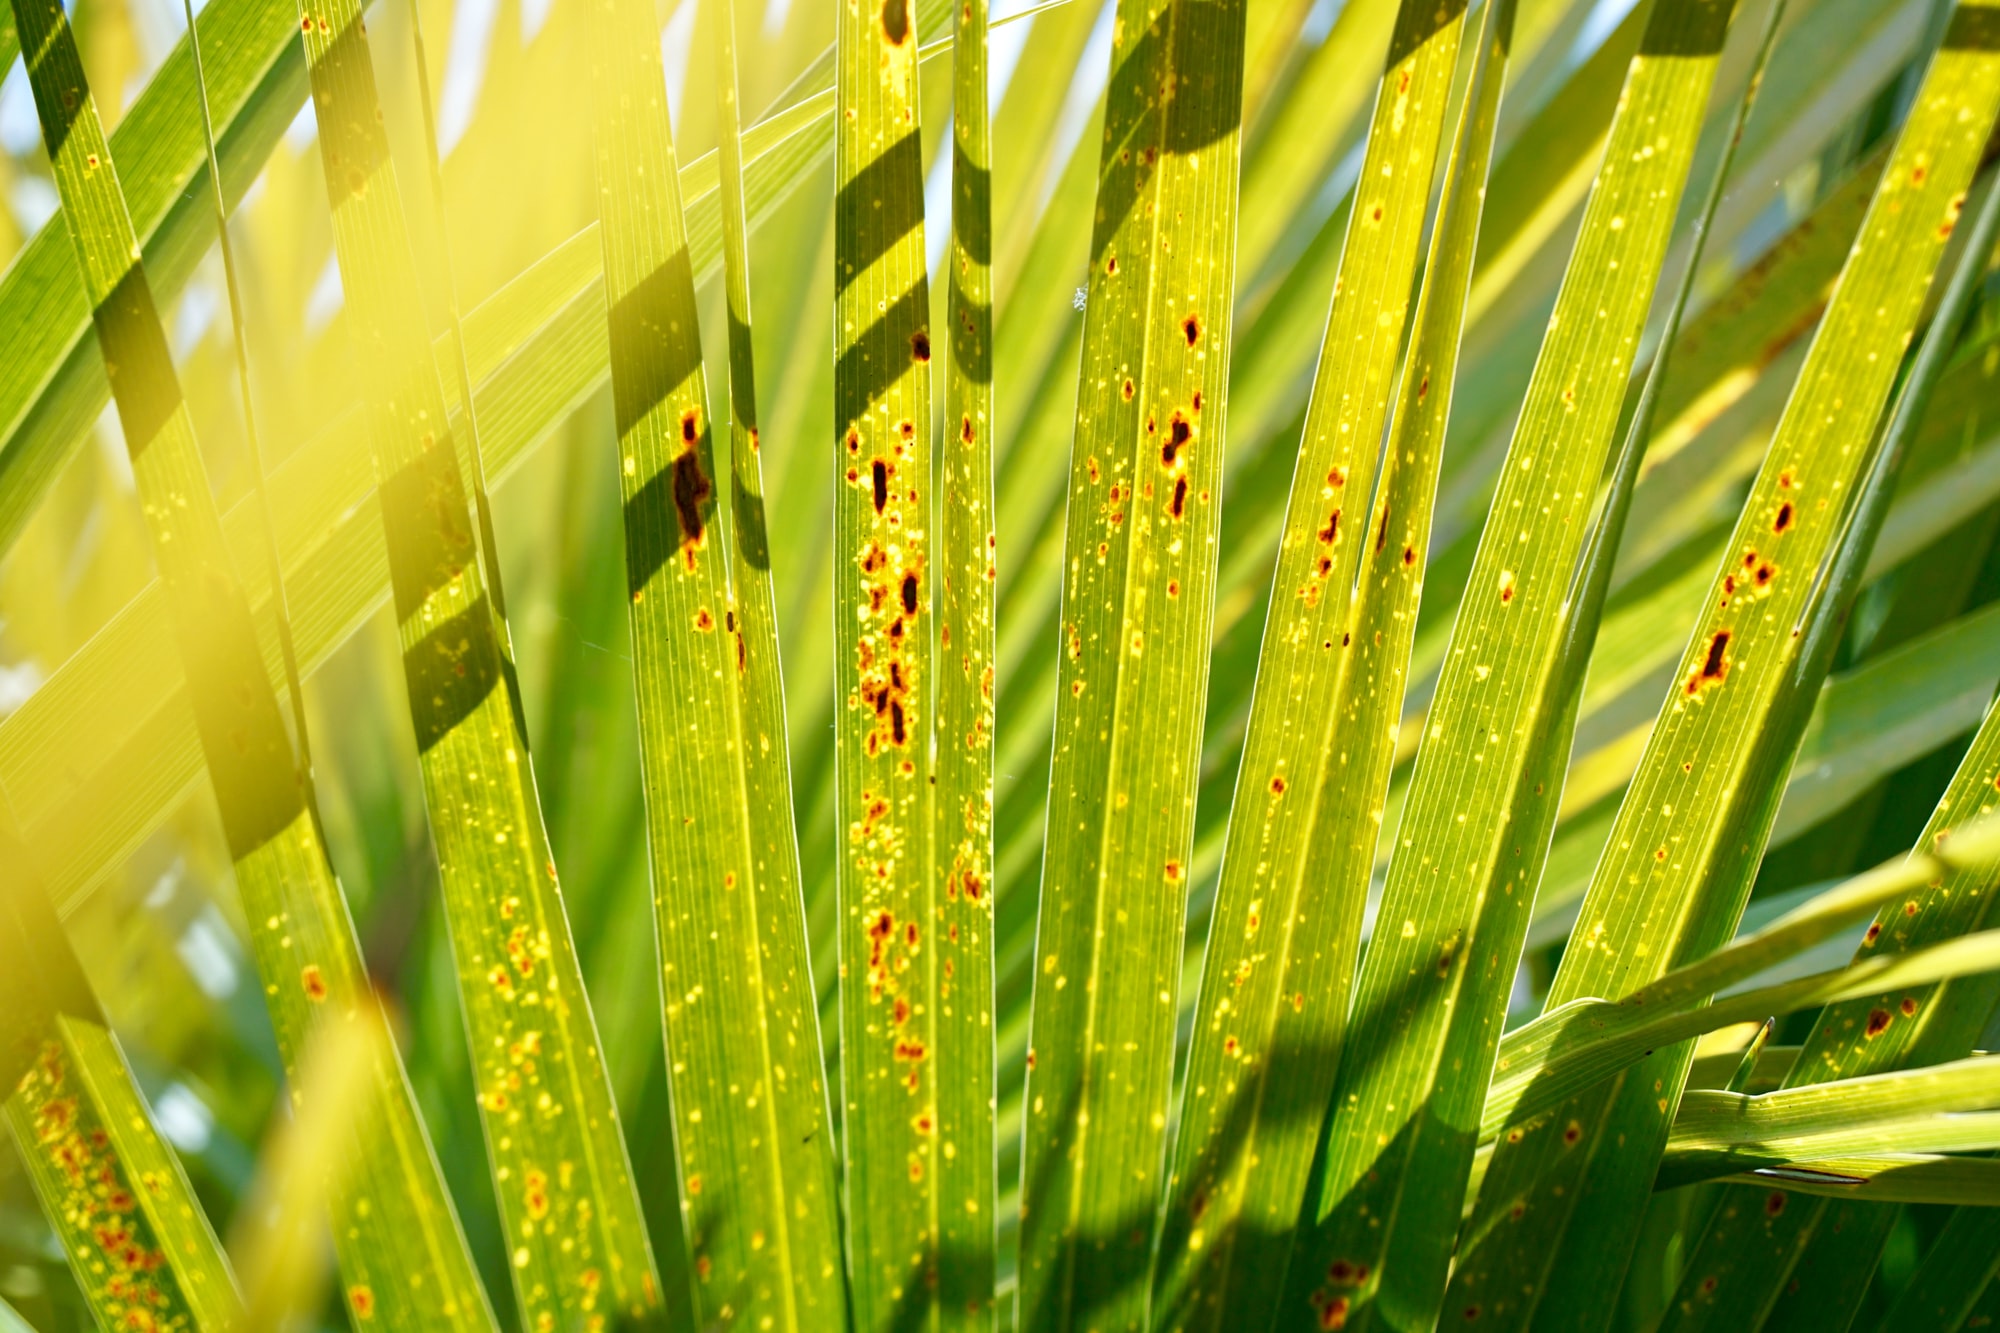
(1878, 1022)
(96, 1198)
(894, 591)
(313, 983)
(920, 345)
(881, 937)
(520, 952)
(1332, 1313)
(1762, 571)
(1714, 666)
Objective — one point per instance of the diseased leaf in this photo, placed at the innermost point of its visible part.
(890, 885)
(963, 596)
(1144, 505)
(1746, 1256)
(1680, 857)
(576, 1243)
(1375, 1240)
(751, 1132)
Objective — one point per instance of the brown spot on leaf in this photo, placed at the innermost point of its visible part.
(691, 492)
(1179, 432)
(1191, 329)
(1714, 666)
(1878, 1022)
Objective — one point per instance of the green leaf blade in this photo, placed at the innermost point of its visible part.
(1375, 1246)
(964, 597)
(1137, 610)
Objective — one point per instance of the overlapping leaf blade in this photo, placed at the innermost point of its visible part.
(402, 1257)
(1322, 732)
(1681, 855)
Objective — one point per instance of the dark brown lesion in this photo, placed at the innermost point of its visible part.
(896, 21)
(692, 491)
(1714, 666)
